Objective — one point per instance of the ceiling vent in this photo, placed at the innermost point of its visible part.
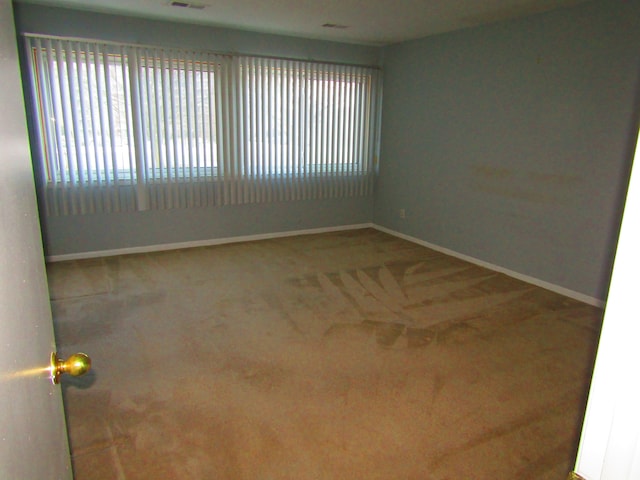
(196, 6)
(335, 25)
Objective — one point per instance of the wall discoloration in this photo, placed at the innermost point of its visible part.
(542, 188)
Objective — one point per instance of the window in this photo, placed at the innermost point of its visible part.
(130, 128)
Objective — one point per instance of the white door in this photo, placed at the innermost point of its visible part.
(610, 443)
(33, 435)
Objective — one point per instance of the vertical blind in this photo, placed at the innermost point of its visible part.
(124, 127)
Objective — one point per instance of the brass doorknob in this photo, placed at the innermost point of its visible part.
(76, 365)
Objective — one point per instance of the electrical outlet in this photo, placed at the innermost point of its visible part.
(402, 213)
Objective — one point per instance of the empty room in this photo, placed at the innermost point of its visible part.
(317, 240)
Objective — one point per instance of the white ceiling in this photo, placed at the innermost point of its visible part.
(370, 22)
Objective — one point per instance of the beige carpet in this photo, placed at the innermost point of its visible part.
(351, 355)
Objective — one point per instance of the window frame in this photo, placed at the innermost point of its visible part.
(292, 152)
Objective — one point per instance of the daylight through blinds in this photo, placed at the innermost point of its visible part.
(124, 127)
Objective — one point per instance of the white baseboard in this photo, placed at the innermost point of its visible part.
(201, 243)
(525, 278)
(248, 238)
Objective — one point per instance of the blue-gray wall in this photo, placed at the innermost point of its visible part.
(511, 142)
(91, 233)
